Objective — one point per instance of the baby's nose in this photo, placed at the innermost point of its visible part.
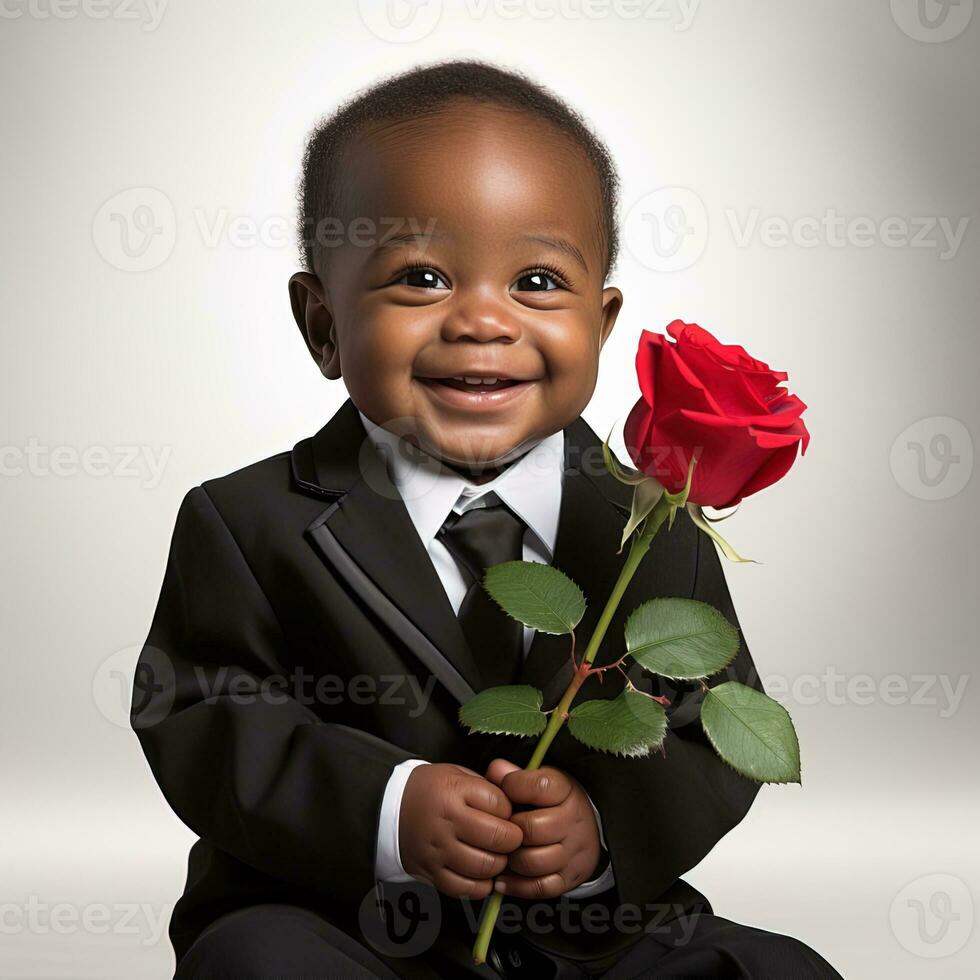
(477, 316)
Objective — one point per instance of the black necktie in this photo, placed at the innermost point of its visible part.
(477, 539)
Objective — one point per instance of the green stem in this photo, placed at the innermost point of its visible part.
(639, 546)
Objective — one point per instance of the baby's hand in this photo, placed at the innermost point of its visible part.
(561, 846)
(454, 830)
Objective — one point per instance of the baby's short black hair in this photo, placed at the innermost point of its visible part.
(420, 92)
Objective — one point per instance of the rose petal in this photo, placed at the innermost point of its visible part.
(684, 386)
(728, 455)
(784, 418)
(727, 385)
(647, 362)
(796, 431)
(636, 433)
(732, 354)
(772, 470)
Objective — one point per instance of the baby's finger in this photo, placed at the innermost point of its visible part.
(473, 862)
(547, 886)
(535, 862)
(481, 794)
(500, 768)
(459, 886)
(546, 786)
(488, 832)
(540, 827)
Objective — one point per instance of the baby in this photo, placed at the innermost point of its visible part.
(458, 231)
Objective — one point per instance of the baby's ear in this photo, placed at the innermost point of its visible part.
(315, 321)
(612, 303)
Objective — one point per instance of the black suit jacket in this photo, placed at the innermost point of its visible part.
(305, 569)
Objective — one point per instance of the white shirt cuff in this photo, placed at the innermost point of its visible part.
(388, 861)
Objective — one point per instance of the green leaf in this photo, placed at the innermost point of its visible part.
(631, 724)
(683, 639)
(509, 710)
(752, 733)
(536, 594)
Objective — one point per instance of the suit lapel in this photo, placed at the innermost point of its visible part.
(367, 536)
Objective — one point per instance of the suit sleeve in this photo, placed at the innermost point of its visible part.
(241, 760)
(664, 812)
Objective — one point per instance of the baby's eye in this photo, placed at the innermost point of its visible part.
(422, 277)
(537, 279)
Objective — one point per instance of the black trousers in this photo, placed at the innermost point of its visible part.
(286, 942)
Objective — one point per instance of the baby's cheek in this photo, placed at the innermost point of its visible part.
(579, 349)
(575, 372)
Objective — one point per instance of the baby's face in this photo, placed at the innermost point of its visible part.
(481, 258)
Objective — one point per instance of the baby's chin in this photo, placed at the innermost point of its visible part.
(477, 459)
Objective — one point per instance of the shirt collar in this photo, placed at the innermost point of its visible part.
(531, 486)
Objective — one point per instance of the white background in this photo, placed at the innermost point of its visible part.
(783, 111)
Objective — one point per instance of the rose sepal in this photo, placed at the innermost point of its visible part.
(646, 496)
(697, 515)
(679, 499)
(647, 491)
(624, 474)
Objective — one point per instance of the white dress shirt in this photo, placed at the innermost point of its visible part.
(531, 487)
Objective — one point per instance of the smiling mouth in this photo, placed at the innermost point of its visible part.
(474, 384)
(477, 392)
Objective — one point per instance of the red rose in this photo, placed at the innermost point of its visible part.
(718, 402)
